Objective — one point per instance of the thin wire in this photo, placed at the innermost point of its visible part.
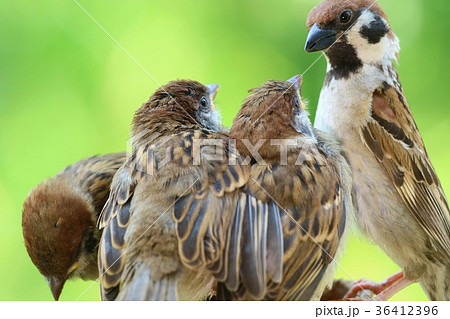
(137, 239)
(323, 54)
(131, 57)
(149, 75)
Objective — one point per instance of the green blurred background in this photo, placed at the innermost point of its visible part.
(67, 91)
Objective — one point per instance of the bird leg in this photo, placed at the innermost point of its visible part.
(389, 292)
(384, 290)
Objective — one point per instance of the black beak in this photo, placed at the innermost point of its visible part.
(296, 81)
(56, 285)
(319, 39)
(213, 89)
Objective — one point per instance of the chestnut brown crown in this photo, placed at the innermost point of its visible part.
(54, 226)
(56, 221)
(326, 14)
(184, 102)
(271, 111)
(59, 219)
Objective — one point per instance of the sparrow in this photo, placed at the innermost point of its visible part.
(299, 184)
(172, 226)
(59, 220)
(400, 201)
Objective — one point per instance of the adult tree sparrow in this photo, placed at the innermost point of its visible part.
(400, 202)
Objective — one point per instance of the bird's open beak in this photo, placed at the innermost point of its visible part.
(319, 39)
(56, 285)
(213, 89)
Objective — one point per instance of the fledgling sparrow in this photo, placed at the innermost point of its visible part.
(400, 201)
(59, 220)
(173, 204)
(300, 185)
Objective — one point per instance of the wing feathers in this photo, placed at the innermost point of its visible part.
(232, 254)
(274, 243)
(143, 287)
(406, 163)
(253, 265)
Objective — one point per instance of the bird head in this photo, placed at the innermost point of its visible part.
(351, 33)
(59, 232)
(183, 101)
(274, 110)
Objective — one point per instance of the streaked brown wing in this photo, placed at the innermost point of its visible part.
(225, 230)
(313, 223)
(95, 175)
(114, 220)
(97, 163)
(254, 249)
(169, 157)
(302, 213)
(310, 246)
(393, 137)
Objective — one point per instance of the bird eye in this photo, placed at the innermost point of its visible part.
(204, 102)
(345, 16)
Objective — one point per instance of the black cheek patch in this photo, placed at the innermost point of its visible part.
(343, 60)
(375, 31)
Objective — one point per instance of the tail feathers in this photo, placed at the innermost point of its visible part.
(143, 287)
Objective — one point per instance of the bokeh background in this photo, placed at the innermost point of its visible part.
(68, 91)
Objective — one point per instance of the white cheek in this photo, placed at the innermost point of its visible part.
(367, 52)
